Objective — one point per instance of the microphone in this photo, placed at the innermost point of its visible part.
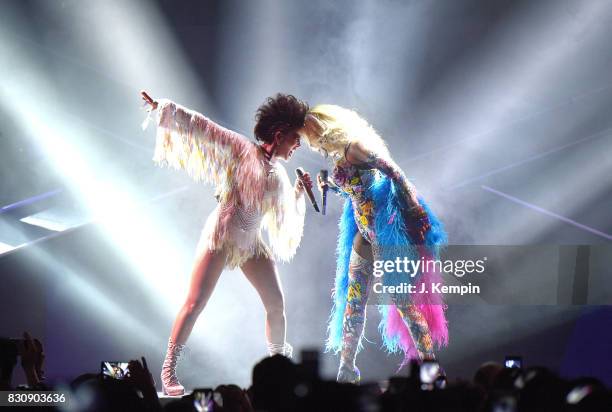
(323, 174)
(300, 174)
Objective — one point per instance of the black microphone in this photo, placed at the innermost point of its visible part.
(323, 174)
(300, 174)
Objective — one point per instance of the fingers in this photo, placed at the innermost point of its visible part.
(148, 99)
(304, 182)
(307, 180)
(321, 184)
(134, 368)
(134, 365)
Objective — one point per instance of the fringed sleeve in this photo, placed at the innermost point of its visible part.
(284, 219)
(208, 152)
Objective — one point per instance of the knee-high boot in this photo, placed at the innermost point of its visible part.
(360, 273)
(170, 383)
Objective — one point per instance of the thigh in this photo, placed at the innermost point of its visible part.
(206, 271)
(362, 247)
(359, 279)
(262, 273)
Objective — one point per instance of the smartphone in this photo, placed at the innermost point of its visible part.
(203, 399)
(429, 371)
(576, 395)
(513, 362)
(114, 369)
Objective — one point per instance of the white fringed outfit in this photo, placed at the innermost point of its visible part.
(252, 191)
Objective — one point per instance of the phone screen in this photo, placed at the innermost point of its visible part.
(429, 371)
(203, 399)
(114, 370)
(513, 362)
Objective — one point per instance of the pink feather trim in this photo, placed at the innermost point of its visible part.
(432, 308)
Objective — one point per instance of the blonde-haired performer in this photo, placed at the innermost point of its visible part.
(253, 191)
(383, 219)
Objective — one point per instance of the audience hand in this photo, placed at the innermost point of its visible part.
(32, 358)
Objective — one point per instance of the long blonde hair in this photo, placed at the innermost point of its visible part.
(332, 128)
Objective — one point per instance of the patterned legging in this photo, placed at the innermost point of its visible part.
(360, 275)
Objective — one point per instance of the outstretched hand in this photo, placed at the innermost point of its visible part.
(32, 358)
(148, 100)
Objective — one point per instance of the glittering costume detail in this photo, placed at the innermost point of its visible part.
(252, 192)
(360, 273)
(348, 374)
(170, 383)
(419, 330)
(375, 207)
(353, 182)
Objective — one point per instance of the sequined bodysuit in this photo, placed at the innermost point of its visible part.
(355, 181)
(243, 238)
(358, 182)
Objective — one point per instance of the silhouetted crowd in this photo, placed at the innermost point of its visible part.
(278, 384)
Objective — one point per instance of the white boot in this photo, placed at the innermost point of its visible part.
(278, 349)
(170, 383)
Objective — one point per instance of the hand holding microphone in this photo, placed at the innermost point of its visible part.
(304, 182)
(322, 182)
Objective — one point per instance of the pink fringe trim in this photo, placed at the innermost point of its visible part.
(431, 307)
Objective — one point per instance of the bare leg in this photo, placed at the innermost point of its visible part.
(262, 273)
(204, 276)
(362, 247)
(206, 271)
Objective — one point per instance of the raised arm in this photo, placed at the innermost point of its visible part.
(189, 140)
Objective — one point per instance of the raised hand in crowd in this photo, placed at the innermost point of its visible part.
(32, 359)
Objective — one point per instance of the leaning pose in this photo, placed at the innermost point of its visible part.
(383, 219)
(253, 191)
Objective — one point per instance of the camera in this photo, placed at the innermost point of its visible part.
(203, 400)
(114, 370)
(513, 362)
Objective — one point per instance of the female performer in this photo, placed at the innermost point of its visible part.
(253, 191)
(383, 217)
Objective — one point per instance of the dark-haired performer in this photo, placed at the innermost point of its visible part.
(254, 191)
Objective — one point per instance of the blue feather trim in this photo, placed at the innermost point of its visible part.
(391, 235)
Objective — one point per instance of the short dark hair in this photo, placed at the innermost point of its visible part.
(281, 112)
